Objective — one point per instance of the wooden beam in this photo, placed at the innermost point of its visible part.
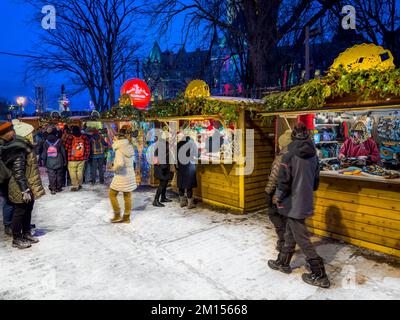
(343, 108)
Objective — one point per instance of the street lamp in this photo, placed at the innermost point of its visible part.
(21, 102)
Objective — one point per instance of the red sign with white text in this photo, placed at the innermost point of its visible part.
(138, 91)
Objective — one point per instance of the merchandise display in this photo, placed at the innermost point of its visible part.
(358, 144)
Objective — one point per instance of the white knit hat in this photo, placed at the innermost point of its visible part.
(285, 139)
(22, 129)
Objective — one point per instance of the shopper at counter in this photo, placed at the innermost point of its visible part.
(360, 145)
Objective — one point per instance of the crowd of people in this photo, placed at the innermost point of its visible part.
(73, 156)
(70, 156)
(76, 155)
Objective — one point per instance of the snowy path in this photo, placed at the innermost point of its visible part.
(170, 253)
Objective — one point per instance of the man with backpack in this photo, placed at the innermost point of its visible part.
(98, 148)
(54, 159)
(77, 147)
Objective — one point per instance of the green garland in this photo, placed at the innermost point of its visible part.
(46, 121)
(123, 111)
(365, 85)
(182, 106)
(179, 107)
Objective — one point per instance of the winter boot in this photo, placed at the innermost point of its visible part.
(156, 201)
(165, 199)
(30, 238)
(126, 218)
(318, 276)
(21, 243)
(191, 204)
(282, 263)
(53, 192)
(183, 201)
(116, 219)
(8, 231)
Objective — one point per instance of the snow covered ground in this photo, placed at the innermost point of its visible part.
(170, 253)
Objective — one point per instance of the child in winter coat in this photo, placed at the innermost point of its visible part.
(124, 177)
(55, 160)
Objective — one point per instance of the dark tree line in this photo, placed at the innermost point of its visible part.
(92, 42)
(93, 38)
(254, 29)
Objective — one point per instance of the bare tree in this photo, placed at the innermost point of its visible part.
(257, 26)
(92, 41)
(379, 22)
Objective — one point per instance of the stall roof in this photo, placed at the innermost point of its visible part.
(340, 107)
(235, 99)
(176, 118)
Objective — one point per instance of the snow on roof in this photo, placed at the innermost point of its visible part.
(235, 99)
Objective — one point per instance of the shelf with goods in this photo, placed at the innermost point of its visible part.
(327, 124)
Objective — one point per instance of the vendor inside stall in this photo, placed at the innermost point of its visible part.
(360, 146)
(363, 143)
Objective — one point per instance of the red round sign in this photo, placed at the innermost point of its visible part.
(138, 91)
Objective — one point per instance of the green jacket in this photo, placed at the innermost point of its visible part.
(19, 157)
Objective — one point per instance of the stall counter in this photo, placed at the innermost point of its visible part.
(363, 211)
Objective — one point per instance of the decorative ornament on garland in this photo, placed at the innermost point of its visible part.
(55, 115)
(95, 115)
(364, 57)
(197, 89)
(138, 92)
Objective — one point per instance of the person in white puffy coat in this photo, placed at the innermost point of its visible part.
(124, 177)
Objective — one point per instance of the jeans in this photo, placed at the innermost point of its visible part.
(127, 202)
(75, 169)
(21, 221)
(8, 211)
(296, 232)
(97, 165)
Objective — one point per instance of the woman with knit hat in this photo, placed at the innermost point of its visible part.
(124, 179)
(277, 220)
(25, 185)
(360, 145)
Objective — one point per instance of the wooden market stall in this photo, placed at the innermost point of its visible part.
(364, 209)
(358, 200)
(236, 184)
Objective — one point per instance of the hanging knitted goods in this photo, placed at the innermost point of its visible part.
(389, 129)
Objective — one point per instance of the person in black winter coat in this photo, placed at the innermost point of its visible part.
(55, 160)
(24, 184)
(186, 171)
(298, 179)
(162, 172)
